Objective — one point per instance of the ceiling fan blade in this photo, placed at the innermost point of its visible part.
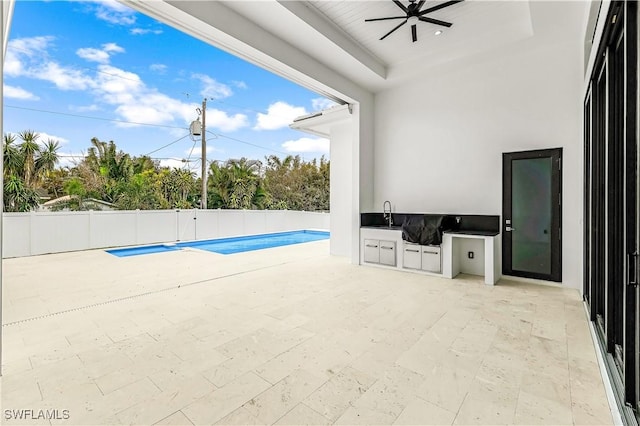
(414, 35)
(420, 4)
(440, 6)
(401, 6)
(435, 21)
(387, 34)
(384, 19)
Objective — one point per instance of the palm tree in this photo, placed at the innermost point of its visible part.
(47, 159)
(111, 168)
(17, 196)
(183, 183)
(236, 184)
(245, 184)
(13, 159)
(220, 186)
(29, 148)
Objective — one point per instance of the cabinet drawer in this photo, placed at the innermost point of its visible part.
(388, 253)
(412, 256)
(430, 258)
(372, 251)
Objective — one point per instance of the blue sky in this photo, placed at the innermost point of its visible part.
(68, 61)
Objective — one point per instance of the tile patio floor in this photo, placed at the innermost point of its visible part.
(288, 336)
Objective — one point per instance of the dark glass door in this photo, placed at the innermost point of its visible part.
(611, 202)
(532, 214)
(586, 258)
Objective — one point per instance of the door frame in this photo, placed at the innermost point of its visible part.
(556, 215)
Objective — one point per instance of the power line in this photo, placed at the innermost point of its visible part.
(252, 144)
(81, 157)
(169, 144)
(94, 118)
(148, 124)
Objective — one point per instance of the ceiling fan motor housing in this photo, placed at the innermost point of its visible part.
(414, 14)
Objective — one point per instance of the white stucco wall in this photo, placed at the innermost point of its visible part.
(439, 141)
(341, 190)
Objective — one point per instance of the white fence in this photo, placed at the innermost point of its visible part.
(28, 234)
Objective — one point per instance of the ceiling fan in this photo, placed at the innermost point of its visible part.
(414, 14)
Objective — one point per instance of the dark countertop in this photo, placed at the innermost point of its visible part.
(472, 232)
(392, 228)
(459, 232)
(462, 224)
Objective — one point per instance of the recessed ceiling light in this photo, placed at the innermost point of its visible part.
(438, 32)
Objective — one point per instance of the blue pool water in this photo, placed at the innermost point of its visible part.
(134, 251)
(231, 245)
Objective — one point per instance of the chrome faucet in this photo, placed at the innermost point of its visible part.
(387, 213)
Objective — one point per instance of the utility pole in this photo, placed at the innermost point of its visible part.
(203, 202)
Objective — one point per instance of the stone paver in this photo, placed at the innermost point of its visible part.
(288, 335)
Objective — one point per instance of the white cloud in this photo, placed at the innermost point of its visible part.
(143, 31)
(114, 12)
(130, 98)
(225, 122)
(279, 114)
(112, 48)
(23, 50)
(174, 163)
(318, 104)
(240, 84)
(84, 108)
(94, 55)
(159, 68)
(212, 88)
(44, 137)
(140, 104)
(18, 93)
(64, 78)
(101, 56)
(320, 145)
(69, 159)
(27, 57)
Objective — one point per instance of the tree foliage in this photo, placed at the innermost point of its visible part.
(27, 165)
(128, 182)
(297, 185)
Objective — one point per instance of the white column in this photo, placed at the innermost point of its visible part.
(7, 13)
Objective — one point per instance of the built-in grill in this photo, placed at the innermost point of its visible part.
(425, 230)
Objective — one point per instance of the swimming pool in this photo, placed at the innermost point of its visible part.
(229, 245)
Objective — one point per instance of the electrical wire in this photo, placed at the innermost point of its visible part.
(251, 144)
(94, 118)
(191, 151)
(217, 135)
(167, 145)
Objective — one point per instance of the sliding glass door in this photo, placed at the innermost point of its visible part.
(611, 201)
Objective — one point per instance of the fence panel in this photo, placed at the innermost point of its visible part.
(16, 235)
(156, 226)
(59, 231)
(255, 222)
(186, 225)
(230, 223)
(112, 229)
(27, 234)
(207, 224)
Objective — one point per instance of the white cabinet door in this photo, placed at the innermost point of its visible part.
(388, 253)
(430, 258)
(411, 258)
(372, 251)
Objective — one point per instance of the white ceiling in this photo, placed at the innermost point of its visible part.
(478, 26)
(334, 32)
(490, 22)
